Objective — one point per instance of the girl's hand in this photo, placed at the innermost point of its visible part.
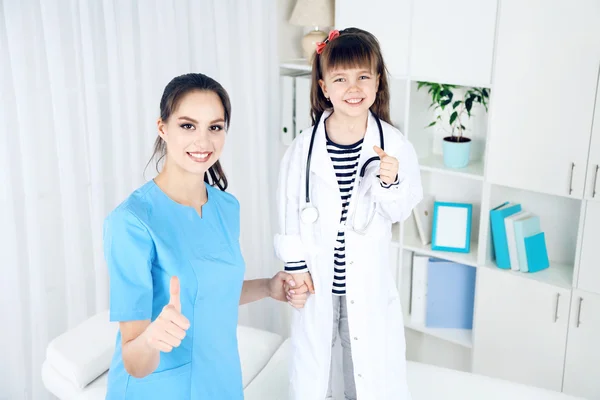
(297, 296)
(388, 168)
(169, 328)
(303, 286)
(284, 287)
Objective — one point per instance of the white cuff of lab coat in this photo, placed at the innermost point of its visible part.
(386, 185)
(289, 248)
(396, 191)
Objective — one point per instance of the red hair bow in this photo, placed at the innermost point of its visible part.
(321, 45)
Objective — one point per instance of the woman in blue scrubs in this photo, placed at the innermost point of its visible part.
(175, 265)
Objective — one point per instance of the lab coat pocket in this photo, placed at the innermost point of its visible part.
(173, 383)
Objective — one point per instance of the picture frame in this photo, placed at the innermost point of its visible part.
(451, 229)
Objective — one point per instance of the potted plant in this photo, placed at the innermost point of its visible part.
(451, 111)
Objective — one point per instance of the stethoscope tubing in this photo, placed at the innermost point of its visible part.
(362, 170)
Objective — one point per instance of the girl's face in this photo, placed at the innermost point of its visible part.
(195, 132)
(352, 91)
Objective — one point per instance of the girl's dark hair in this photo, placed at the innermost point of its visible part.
(354, 48)
(172, 95)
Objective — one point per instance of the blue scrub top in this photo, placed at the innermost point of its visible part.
(149, 238)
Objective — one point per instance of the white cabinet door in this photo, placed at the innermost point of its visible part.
(589, 263)
(592, 186)
(521, 328)
(453, 41)
(544, 86)
(389, 21)
(583, 347)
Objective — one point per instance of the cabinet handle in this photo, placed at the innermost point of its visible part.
(595, 179)
(571, 178)
(556, 308)
(579, 312)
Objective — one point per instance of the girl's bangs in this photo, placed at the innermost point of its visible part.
(347, 55)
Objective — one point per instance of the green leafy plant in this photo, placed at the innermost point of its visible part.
(443, 96)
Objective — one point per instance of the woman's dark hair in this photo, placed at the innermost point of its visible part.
(354, 48)
(172, 95)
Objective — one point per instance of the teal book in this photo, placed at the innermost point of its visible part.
(498, 230)
(524, 228)
(536, 252)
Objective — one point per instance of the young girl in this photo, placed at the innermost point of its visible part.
(176, 269)
(343, 183)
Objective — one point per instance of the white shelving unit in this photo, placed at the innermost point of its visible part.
(533, 328)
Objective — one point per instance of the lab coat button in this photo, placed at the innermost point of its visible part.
(351, 262)
(351, 301)
(355, 338)
(359, 375)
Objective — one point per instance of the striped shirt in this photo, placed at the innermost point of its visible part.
(345, 160)
(345, 163)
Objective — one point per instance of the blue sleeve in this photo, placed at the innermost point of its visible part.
(129, 252)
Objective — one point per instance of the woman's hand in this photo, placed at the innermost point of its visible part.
(169, 328)
(285, 287)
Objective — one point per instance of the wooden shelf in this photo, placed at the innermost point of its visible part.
(461, 337)
(557, 274)
(414, 244)
(435, 163)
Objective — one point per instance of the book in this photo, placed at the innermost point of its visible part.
(498, 230)
(510, 238)
(450, 295)
(525, 227)
(536, 252)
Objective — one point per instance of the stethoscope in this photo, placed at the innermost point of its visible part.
(309, 213)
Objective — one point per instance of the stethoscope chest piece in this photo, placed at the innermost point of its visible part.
(309, 214)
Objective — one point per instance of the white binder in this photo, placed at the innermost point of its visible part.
(302, 99)
(418, 301)
(287, 109)
(423, 214)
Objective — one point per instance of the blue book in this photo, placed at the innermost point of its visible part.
(450, 295)
(524, 228)
(537, 254)
(498, 230)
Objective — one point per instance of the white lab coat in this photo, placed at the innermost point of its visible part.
(374, 311)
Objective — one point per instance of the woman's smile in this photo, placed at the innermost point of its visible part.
(199, 156)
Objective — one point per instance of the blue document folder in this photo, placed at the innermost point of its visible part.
(450, 295)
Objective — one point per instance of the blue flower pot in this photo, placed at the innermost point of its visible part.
(456, 153)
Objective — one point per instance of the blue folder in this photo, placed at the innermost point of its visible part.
(450, 295)
(497, 216)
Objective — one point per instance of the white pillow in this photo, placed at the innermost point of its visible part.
(256, 347)
(84, 353)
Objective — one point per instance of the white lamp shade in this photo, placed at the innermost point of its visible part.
(313, 13)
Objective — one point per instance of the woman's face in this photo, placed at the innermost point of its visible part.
(195, 132)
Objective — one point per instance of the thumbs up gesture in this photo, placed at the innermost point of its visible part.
(388, 167)
(169, 328)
